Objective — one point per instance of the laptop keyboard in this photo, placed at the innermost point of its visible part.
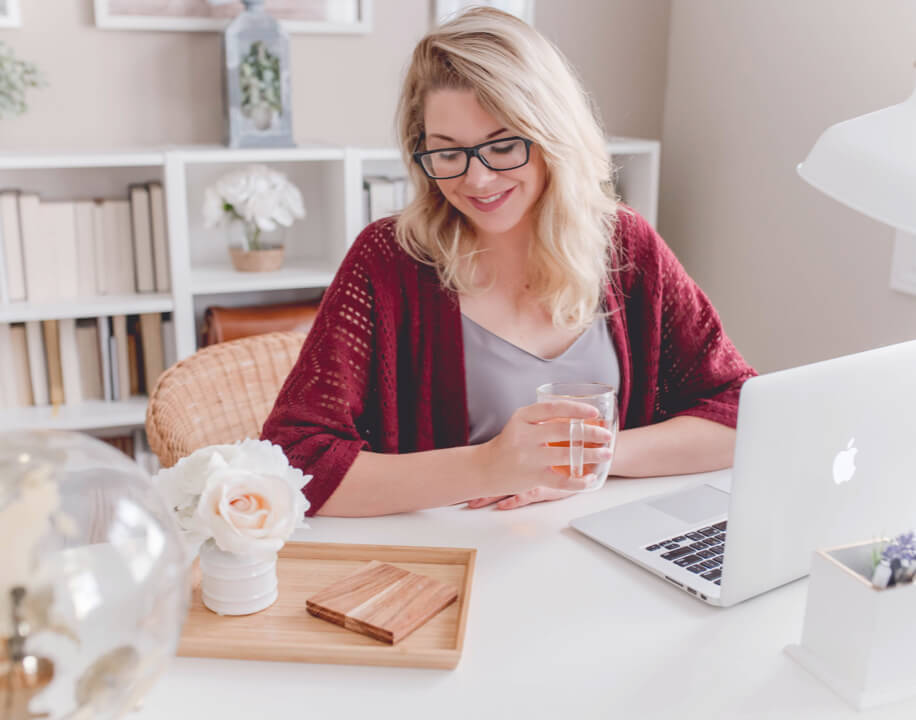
(700, 551)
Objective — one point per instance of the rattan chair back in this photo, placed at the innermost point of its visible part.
(220, 394)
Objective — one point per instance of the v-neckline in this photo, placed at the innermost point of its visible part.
(511, 344)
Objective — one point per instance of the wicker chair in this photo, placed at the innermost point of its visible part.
(220, 394)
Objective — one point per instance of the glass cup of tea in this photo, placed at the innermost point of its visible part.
(600, 396)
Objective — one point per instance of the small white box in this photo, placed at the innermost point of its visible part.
(858, 639)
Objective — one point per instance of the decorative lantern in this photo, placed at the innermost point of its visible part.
(256, 80)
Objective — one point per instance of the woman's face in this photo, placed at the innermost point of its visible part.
(494, 202)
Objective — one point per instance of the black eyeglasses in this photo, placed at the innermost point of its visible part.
(447, 163)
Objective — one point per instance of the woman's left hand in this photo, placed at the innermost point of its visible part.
(510, 502)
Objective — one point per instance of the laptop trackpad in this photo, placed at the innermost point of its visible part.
(693, 505)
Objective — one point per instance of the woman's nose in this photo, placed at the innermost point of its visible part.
(478, 174)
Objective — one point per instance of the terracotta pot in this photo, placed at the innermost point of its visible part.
(270, 258)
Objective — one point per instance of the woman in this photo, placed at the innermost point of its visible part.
(513, 250)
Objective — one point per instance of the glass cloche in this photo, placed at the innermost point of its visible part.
(93, 578)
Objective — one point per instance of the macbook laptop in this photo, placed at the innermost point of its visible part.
(825, 455)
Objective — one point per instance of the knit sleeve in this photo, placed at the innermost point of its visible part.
(322, 415)
(699, 370)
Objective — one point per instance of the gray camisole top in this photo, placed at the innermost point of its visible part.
(501, 377)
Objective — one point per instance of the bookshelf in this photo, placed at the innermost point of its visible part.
(331, 181)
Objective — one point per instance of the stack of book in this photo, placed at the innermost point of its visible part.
(65, 250)
(384, 195)
(69, 361)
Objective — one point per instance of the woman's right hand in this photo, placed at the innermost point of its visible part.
(520, 457)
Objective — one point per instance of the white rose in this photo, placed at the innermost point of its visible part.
(248, 512)
(184, 484)
(213, 208)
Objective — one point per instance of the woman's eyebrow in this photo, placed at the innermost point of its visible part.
(450, 139)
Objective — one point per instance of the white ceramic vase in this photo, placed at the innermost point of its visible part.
(234, 584)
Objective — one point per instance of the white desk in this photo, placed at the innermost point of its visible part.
(557, 627)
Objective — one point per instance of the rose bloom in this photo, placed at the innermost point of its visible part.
(248, 512)
(246, 496)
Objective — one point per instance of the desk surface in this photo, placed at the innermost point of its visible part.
(558, 627)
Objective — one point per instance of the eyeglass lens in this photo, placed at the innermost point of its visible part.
(498, 155)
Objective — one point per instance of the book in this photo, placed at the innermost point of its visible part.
(114, 362)
(104, 335)
(102, 282)
(21, 365)
(10, 235)
(58, 226)
(8, 395)
(84, 219)
(52, 353)
(153, 355)
(142, 237)
(37, 251)
(69, 361)
(133, 355)
(87, 345)
(159, 225)
(38, 366)
(382, 196)
(119, 330)
(169, 347)
(119, 248)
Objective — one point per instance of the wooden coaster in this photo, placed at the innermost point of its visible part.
(382, 601)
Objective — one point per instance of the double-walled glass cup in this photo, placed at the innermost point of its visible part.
(604, 399)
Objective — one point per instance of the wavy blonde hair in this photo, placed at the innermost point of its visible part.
(521, 79)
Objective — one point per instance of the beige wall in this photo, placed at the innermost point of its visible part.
(796, 276)
(126, 88)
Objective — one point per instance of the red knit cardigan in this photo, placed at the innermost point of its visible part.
(382, 368)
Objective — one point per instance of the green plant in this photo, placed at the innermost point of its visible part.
(16, 77)
(259, 78)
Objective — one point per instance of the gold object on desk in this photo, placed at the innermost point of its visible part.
(22, 676)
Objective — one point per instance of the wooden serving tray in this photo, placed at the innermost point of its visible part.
(287, 632)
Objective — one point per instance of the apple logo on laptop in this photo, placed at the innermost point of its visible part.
(844, 464)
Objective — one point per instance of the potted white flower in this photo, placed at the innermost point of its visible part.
(252, 204)
(237, 504)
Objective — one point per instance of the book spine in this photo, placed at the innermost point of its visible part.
(55, 373)
(12, 247)
(70, 361)
(38, 367)
(104, 335)
(38, 252)
(142, 238)
(87, 284)
(159, 225)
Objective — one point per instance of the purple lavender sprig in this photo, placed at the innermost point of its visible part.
(901, 548)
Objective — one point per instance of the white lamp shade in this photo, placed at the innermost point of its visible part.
(869, 164)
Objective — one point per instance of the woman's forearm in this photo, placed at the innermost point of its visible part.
(677, 446)
(383, 484)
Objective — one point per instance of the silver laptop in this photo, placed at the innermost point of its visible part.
(825, 455)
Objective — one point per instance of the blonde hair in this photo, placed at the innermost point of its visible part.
(523, 81)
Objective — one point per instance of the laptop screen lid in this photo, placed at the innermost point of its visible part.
(825, 455)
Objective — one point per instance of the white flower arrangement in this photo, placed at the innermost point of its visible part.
(260, 198)
(244, 496)
(16, 76)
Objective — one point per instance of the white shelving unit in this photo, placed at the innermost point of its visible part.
(331, 181)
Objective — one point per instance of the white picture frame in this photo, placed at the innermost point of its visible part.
(445, 9)
(10, 14)
(352, 17)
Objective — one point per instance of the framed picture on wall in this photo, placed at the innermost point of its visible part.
(296, 16)
(445, 9)
(9, 13)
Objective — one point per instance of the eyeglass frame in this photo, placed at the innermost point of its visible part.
(470, 152)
